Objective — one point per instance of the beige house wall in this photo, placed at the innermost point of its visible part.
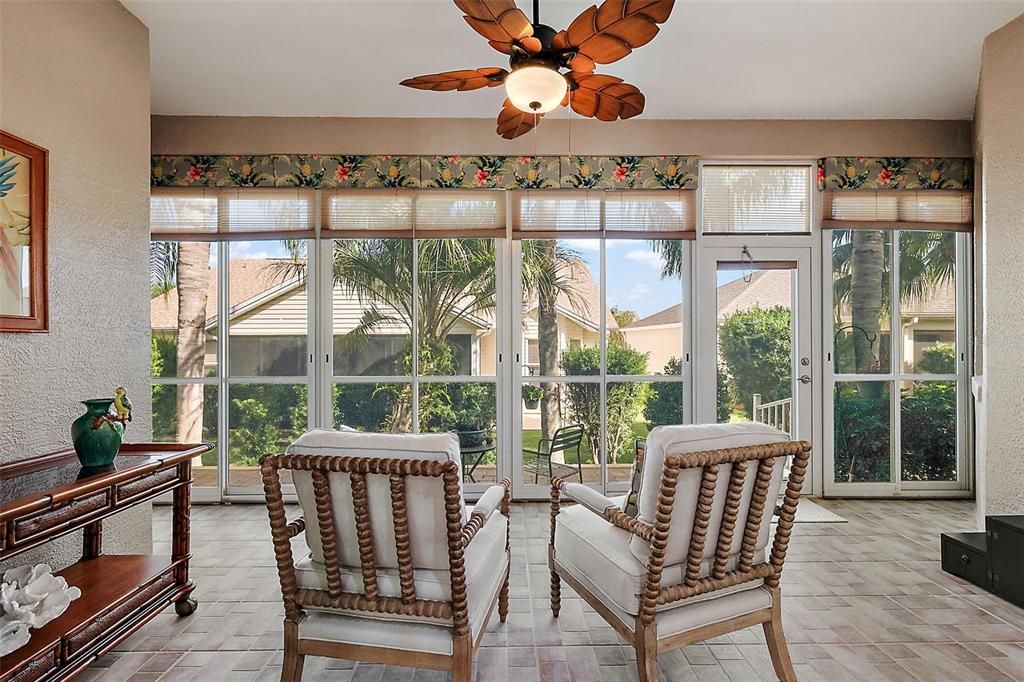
(661, 343)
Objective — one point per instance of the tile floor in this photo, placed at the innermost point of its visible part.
(865, 601)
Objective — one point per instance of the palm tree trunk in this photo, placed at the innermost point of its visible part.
(866, 284)
(547, 342)
(193, 277)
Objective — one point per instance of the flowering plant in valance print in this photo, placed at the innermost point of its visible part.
(348, 171)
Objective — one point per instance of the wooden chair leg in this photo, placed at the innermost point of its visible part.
(556, 594)
(503, 600)
(645, 641)
(776, 639)
(291, 670)
(462, 659)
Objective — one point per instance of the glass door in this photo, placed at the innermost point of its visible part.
(753, 345)
(598, 344)
(896, 415)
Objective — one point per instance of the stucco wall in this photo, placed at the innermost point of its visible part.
(751, 139)
(74, 78)
(999, 131)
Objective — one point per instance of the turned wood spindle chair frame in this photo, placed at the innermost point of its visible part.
(370, 601)
(644, 633)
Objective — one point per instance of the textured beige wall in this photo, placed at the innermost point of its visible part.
(74, 78)
(751, 139)
(999, 129)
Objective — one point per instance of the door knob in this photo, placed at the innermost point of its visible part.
(804, 379)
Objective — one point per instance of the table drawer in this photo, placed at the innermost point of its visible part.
(33, 669)
(82, 638)
(65, 514)
(963, 555)
(140, 486)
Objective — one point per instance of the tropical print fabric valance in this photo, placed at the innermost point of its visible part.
(452, 172)
(894, 172)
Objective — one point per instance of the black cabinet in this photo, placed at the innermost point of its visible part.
(1005, 535)
(965, 555)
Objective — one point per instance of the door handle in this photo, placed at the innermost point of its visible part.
(804, 379)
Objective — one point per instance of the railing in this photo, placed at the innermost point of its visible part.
(778, 413)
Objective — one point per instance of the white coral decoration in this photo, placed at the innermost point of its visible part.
(30, 597)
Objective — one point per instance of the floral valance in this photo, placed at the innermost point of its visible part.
(486, 172)
(894, 172)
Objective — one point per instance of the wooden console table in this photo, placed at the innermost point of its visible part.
(46, 497)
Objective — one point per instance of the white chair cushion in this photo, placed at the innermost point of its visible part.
(424, 496)
(676, 440)
(597, 554)
(485, 563)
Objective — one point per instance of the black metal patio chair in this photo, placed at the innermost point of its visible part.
(565, 440)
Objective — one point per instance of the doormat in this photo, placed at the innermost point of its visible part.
(811, 512)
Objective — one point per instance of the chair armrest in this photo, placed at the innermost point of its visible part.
(495, 497)
(586, 496)
(600, 505)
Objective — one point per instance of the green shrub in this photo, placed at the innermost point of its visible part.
(928, 428)
(756, 349)
(861, 434)
(625, 401)
(938, 359)
(665, 405)
(254, 434)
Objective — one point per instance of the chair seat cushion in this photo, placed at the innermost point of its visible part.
(598, 555)
(485, 563)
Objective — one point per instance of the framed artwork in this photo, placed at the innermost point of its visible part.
(23, 177)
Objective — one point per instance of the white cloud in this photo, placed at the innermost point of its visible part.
(638, 292)
(648, 258)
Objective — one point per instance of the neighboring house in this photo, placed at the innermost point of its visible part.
(269, 326)
(926, 321)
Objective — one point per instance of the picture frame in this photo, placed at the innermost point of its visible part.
(24, 175)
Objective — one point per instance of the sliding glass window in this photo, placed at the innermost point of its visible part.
(899, 307)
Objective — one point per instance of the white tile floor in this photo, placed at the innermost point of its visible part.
(863, 601)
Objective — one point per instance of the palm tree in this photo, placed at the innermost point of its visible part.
(547, 272)
(185, 267)
(861, 263)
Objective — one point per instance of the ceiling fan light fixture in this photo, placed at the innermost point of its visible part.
(536, 89)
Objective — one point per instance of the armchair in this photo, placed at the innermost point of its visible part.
(399, 569)
(695, 563)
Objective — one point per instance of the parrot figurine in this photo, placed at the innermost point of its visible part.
(122, 405)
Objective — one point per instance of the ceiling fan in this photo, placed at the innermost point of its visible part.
(538, 55)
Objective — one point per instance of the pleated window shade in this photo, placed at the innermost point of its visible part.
(670, 214)
(899, 209)
(173, 212)
(222, 213)
(755, 199)
(562, 213)
(465, 213)
(254, 211)
(592, 213)
(369, 213)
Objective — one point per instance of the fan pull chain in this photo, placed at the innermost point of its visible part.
(568, 124)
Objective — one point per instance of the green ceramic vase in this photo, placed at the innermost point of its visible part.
(96, 447)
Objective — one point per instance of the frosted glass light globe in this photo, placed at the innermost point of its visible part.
(535, 89)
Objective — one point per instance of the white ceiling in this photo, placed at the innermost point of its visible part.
(714, 59)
